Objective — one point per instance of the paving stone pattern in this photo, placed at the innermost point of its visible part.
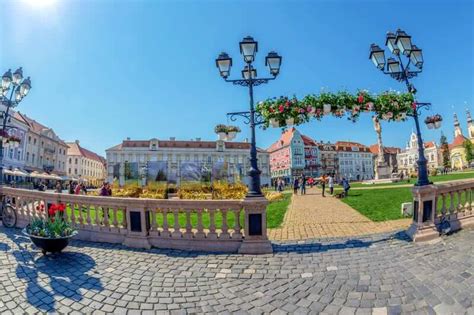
(381, 274)
(313, 216)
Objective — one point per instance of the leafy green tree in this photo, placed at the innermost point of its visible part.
(445, 150)
(468, 147)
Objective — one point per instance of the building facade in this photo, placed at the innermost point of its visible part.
(457, 152)
(287, 155)
(14, 157)
(355, 161)
(390, 156)
(328, 160)
(177, 161)
(311, 152)
(44, 150)
(85, 164)
(406, 159)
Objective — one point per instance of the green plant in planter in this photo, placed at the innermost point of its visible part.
(220, 128)
(233, 129)
(54, 226)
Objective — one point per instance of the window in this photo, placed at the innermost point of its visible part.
(69, 171)
(34, 141)
(33, 158)
(29, 139)
(75, 171)
(75, 162)
(27, 156)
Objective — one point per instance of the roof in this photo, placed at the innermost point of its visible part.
(308, 141)
(429, 144)
(76, 149)
(182, 144)
(349, 146)
(457, 141)
(374, 148)
(285, 140)
(36, 127)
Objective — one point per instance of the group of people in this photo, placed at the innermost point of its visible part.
(77, 188)
(105, 190)
(327, 180)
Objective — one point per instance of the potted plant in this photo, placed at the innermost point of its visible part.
(429, 121)
(221, 131)
(274, 122)
(232, 132)
(437, 120)
(52, 233)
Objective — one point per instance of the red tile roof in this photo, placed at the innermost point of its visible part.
(430, 144)
(457, 141)
(347, 146)
(308, 141)
(76, 149)
(374, 148)
(284, 140)
(35, 126)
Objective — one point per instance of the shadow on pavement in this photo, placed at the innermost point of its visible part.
(52, 276)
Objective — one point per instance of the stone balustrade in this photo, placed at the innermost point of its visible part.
(205, 225)
(441, 208)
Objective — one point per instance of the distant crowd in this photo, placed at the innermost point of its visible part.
(300, 183)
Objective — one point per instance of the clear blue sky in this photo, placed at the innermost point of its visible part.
(106, 70)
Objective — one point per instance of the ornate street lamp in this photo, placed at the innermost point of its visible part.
(18, 89)
(248, 49)
(400, 44)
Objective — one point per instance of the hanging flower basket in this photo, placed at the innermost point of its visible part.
(433, 122)
(326, 108)
(274, 123)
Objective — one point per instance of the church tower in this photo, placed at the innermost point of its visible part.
(457, 127)
(470, 125)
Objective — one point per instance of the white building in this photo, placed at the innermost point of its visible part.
(407, 158)
(85, 164)
(45, 151)
(355, 161)
(177, 161)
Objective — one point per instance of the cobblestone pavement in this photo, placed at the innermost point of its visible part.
(381, 274)
(313, 216)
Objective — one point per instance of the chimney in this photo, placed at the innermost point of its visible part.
(172, 139)
(128, 138)
(246, 140)
(77, 142)
(198, 139)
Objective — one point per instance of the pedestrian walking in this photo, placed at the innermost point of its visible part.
(303, 185)
(345, 186)
(331, 184)
(323, 184)
(295, 186)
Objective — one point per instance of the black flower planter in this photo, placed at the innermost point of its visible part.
(51, 245)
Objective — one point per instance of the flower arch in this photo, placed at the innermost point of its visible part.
(284, 111)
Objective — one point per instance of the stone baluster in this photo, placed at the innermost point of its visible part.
(153, 225)
(189, 226)
(81, 217)
(97, 215)
(73, 213)
(212, 225)
(224, 229)
(443, 206)
(459, 201)
(470, 206)
(88, 215)
(124, 216)
(451, 206)
(176, 233)
(105, 213)
(166, 231)
(115, 221)
(200, 227)
(237, 228)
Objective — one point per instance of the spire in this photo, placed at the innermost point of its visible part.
(457, 128)
(469, 118)
(470, 125)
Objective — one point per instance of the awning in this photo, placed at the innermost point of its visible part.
(54, 176)
(7, 172)
(18, 172)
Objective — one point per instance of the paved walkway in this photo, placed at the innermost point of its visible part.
(384, 274)
(313, 216)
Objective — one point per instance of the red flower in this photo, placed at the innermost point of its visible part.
(51, 212)
(281, 108)
(271, 110)
(413, 105)
(287, 104)
(61, 207)
(360, 99)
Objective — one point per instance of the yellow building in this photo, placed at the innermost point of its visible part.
(457, 153)
(85, 165)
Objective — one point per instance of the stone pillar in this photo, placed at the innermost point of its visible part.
(423, 227)
(255, 239)
(122, 174)
(138, 227)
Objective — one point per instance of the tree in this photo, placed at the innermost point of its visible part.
(468, 147)
(445, 150)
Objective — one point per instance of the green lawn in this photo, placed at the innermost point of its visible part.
(275, 213)
(379, 204)
(434, 179)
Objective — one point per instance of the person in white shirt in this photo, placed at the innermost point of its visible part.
(331, 184)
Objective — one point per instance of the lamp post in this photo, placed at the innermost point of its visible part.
(400, 45)
(17, 89)
(248, 49)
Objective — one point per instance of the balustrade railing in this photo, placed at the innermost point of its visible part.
(210, 225)
(442, 208)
